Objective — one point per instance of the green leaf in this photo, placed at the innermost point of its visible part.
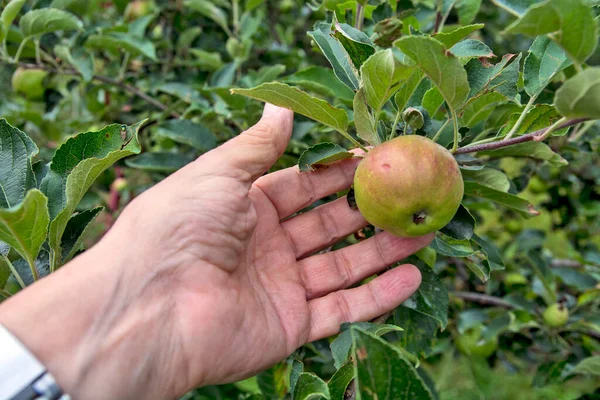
(340, 380)
(571, 23)
(24, 226)
(467, 10)
(321, 80)
(272, 382)
(183, 92)
(501, 113)
(537, 150)
(471, 48)
(116, 42)
(46, 20)
(209, 10)
(364, 120)
(382, 371)
(479, 108)
(357, 44)
(451, 247)
(80, 60)
(431, 298)
(587, 366)
(419, 333)
(309, 387)
(515, 7)
(489, 177)
(539, 117)
(293, 98)
(16, 174)
(159, 162)
(189, 133)
(75, 231)
(297, 369)
(41, 264)
(408, 89)
(7, 17)
(433, 100)
(493, 259)
(451, 38)
(76, 165)
(502, 77)
(5, 271)
(322, 154)
(544, 61)
(265, 74)
(579, 97)
(335, 54)
(340, 347)
(382, 76)
(461, 226)
(206, 60)
(443, 69)
(518, 204)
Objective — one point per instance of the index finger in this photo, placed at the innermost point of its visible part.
(291, 190)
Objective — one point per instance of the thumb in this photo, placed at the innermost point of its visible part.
(255, 150)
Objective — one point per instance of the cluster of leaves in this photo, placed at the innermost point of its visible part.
(526, 236)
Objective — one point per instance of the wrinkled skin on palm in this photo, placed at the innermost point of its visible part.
(409, 186)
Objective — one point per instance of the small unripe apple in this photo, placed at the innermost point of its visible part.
(537, 186)
(29, 82)
(556, 315)
(471, 344)
(409, 186)
(514, 278)
(513, 226)
(119, 184)
(138, 8)
(286, 5)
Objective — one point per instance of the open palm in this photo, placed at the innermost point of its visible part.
(244, 286)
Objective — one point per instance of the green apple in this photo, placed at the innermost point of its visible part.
(471, 344)
(513, 226)
(409, 186)
(138, 8)
(286, 5)
(514, 278)
(119, 184)
(537, 186)
(556, 315)
(29, 83)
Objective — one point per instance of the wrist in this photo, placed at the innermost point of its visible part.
(83, 324)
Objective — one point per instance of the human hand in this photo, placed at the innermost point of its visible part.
(205, 280)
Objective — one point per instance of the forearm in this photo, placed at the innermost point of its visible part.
(84, 326)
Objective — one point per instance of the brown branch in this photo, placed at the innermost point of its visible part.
(483, 299)
(565, 264)
(594, 334)
(105, 79)
(382, 318)
(521, 139)
(438, 21)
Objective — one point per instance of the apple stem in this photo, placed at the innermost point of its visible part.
(456, 133)
(519, 122)
(439, 132)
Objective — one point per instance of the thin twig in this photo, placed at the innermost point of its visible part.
(360, 16)
(382, 318)
(521, 139)
(565, 264)
(594, 334)
(114, 82)
(483, 299)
